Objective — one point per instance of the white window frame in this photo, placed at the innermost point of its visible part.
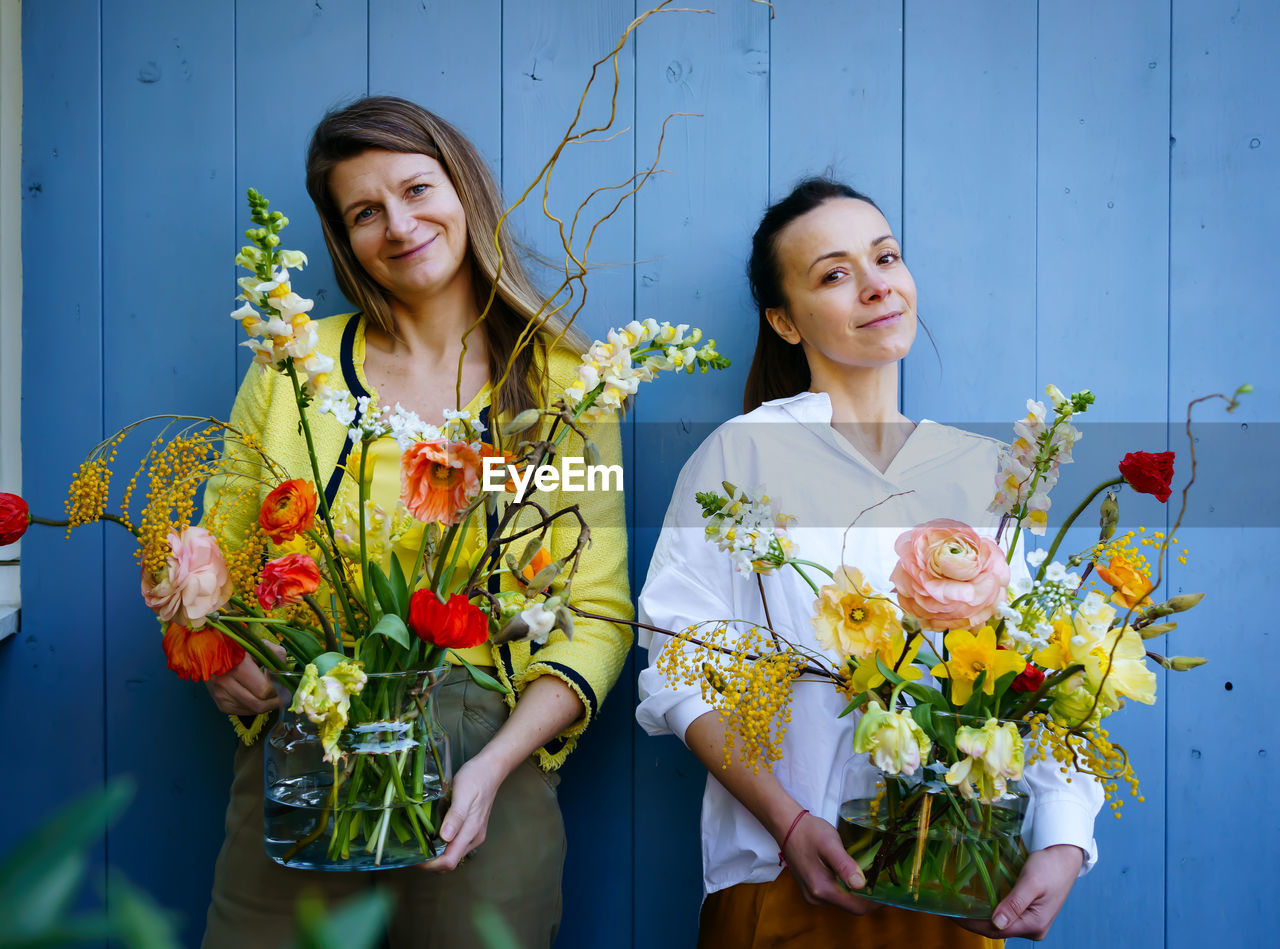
(10, 292)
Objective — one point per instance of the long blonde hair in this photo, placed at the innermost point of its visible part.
(397, 125)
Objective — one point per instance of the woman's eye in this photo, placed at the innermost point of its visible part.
(890, 257)
(362, 215)
(831, 276)
(417, 189)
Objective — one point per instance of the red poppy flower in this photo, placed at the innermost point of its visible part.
(1148, 472)
(1028, 680)
(14, 518)
(455, 624)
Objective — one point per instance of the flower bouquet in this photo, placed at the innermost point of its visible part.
(359, 611)
(964, 673)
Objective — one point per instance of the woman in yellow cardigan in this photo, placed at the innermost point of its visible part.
(408, 210)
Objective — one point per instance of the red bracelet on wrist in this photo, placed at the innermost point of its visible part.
(782, 861)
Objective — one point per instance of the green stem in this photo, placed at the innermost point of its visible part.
(1062, 531)
(810, 563)
(364, 556)
(460, 540)
(440, 556)
(113, 518)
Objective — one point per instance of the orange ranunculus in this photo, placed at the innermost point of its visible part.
(438, 479)
(288, 510)
(200, 654)
(286, 580)
(1130, 583)
(456, 624)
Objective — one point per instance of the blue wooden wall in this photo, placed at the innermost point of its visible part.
(1087, 194)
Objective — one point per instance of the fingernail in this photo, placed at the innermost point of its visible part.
(1001, 920)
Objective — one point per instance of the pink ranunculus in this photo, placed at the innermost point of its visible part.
(195, 581)
(947, 576)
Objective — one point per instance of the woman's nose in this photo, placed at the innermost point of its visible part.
(872, 286)
(400, 222)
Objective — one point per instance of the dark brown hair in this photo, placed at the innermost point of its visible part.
(779, 369)
(391, 124)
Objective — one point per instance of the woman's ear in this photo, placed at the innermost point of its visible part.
(782, 324)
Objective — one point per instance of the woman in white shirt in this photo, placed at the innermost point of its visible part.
(823, 435)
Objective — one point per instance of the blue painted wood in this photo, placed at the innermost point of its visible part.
(163, 279)
(547, 52)
(294, 61)
(836, 97)
(964, 124)
(1222, 743)
(446, 57)
(51, 670)
(969, 150)
(1102, 183)
(693, 232)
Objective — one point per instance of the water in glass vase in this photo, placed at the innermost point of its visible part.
(935, 853)
(300, 827)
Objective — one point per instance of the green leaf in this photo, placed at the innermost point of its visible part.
(138, 922)
(382, 590)
(493, 929)
(359, 923)
(974, 705)
(399, 587)
(885, 671)
(923, 693)
(327, 660)
(392, 627)
(923, 714)
(856, 703)
(480, 677)
(1002, 686)
(41, 876)
(302, 645)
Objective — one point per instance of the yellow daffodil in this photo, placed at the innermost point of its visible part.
(866, 674)
(851, 620)
(972, 654)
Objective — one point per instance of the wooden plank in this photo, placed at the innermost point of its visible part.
(1102, 183)
(969, 149)
(316, 59)
(693, 234)
(1222, 759)
(51, 671)
(836, 97)
(547, 52)
(168, 186)
(446, 57)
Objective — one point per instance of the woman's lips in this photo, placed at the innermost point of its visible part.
(886, 320)
(410, 253)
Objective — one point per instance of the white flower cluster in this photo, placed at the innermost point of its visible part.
(1027, 626)
(747, 529)
(279, 328)
(1028, 469)
(404, 425)
(613, 370)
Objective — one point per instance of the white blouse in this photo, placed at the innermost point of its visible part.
(788, 448)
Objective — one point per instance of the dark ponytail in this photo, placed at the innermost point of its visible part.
(779, 369)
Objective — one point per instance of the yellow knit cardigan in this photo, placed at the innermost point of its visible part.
(591, 662)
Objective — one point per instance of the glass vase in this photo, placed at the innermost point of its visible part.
(922, 846)
(379, 803)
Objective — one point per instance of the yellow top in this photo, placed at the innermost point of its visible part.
(590, 664)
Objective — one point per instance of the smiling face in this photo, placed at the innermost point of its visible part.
(851, 302)
(404, 220)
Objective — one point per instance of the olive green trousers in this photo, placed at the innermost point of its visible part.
(516, 871)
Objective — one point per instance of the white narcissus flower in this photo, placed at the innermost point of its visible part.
(897, 744)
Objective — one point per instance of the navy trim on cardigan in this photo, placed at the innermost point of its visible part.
(347, 359)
